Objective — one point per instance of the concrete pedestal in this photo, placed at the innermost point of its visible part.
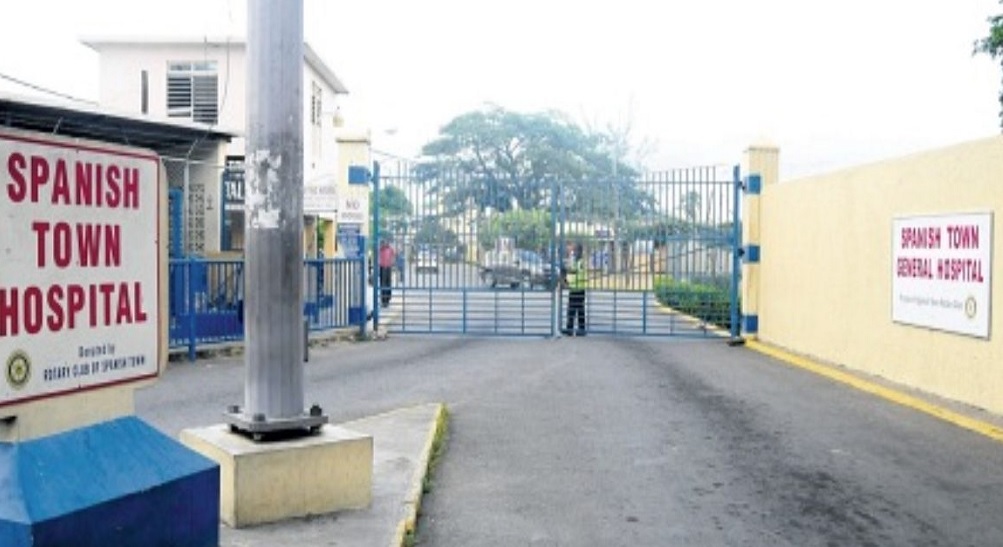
(119, 482)
(271, 481)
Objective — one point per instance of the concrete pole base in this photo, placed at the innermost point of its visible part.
(259, 426)
(268, 482)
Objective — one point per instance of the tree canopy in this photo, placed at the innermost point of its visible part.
(528, 229)
(395, 210)
(500, 160)
(992, 45)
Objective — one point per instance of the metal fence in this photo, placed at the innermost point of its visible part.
(483, 255)
(206, 299)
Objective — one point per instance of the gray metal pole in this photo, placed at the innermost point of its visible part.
(273, 300)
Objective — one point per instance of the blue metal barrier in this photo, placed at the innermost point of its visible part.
(205, 299)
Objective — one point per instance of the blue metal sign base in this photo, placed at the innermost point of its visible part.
(120, 482)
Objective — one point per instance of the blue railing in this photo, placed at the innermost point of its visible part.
(205, 299)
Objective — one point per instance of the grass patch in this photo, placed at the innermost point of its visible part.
(438, 448)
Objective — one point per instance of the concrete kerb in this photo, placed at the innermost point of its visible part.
(417, 487)
(316, 339)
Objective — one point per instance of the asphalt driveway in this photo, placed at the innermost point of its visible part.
(608, 442)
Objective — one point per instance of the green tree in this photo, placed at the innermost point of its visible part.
(528, 229)
(502, 160)
(394, 201)
(690, 205)
(431, 232)
(992, 45)
(395, 210)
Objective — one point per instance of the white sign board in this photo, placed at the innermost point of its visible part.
(320, 195)
(353, 208)
(942, 272)
(79, 273)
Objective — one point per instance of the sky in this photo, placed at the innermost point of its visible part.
(832, 84)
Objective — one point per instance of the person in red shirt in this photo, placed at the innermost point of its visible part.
(386, 259)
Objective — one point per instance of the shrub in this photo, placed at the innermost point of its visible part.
(708, 301)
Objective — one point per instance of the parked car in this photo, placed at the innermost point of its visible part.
(517, 268)
(452, 254)
(426, 260)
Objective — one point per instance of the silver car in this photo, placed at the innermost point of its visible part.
(517, 268)
(427, 260)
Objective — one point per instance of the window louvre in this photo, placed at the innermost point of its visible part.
(193, 91)
(204, 93)
(179, 96)
(316, 104)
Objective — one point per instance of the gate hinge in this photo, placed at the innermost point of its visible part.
(753, 185)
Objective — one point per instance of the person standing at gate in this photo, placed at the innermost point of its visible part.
(578, 279)
(387, 261)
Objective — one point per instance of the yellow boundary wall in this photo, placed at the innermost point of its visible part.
(824, 283)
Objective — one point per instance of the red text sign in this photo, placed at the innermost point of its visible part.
(79, 266)
(941, 272)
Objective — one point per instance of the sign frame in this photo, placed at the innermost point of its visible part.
(353, 208)
(320, 195)
(941, 272)
(114, 326)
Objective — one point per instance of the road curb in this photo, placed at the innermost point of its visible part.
(895, 396)
(417, 487)
(231, 348)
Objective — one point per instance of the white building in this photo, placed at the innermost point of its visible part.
(204, 80)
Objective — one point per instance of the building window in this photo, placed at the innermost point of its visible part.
(193, 91)
(316, 104)
(144, 97)
(316, 114)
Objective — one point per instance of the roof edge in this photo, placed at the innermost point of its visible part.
(325, 71)
(309, 55)
(91, 109)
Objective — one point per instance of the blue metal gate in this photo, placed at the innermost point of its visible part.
(661, 251)
(206, 298)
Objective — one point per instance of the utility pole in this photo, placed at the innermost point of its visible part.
(274, 271)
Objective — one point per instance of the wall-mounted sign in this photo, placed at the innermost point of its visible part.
(942, 272)
(320, 195)
(233, 185)
(353, 208)
(79, 266)
(349, 240)
(359, 174)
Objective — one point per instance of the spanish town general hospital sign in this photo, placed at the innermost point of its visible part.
(942, 272)
(79, 266)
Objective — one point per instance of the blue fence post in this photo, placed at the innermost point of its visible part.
(736, 247)
(560, 255)
(361, 261)
(466, 294)
(377, 236)
(556, 261)
(644, 311)
(190, 288)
